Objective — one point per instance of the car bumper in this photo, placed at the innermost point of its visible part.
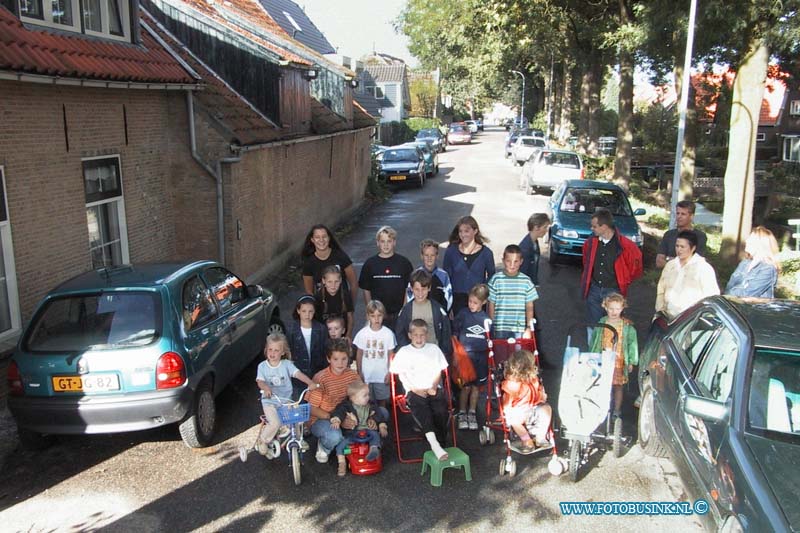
(565, 246)
(460, 140)
(101, 414)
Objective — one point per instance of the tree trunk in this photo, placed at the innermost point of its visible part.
(622, 161)
(565, 122)
(748, 90)
(586, 104)
(595, 108)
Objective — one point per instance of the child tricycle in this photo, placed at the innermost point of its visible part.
(585, 399)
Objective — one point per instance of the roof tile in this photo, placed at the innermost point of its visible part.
(34, 51)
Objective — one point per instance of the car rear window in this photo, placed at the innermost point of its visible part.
(533, 142)
(96, 321)
(586, 200)
(391, 156)
(774, 403)
(561, 159)
(457, 129)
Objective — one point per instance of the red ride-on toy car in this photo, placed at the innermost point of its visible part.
(356, 455)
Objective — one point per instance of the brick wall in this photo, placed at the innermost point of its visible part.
(42, 157)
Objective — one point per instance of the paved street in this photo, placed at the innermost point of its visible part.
(150, 481)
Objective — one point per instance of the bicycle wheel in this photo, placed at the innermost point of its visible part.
(618, 437)
(574, 459)
(298, 478)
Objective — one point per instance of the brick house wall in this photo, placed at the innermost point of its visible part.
(44, 175)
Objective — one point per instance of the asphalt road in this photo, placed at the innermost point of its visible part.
(149, 481)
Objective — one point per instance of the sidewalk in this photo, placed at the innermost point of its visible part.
(704, 217)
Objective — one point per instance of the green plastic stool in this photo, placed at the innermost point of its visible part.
(456, 459)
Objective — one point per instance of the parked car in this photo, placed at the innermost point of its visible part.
(403, 164)
(376, 149)
(571, 207)
(511, 138)
(135, 347)
(472, 125)
(550, 168)
(525, 147)
(458, 134)
(720, 390)
(434, 136)
(430, 156)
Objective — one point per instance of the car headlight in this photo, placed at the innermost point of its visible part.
(413, 171)
(567, 233)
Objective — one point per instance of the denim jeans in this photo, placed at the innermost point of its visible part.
(594, 306)
(373, 438)
(328, 437)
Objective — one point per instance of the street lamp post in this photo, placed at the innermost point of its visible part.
(522, 104)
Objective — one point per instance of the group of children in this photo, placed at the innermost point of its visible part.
(413, 341)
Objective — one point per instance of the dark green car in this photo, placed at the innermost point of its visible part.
(136, 347)
(720, 392)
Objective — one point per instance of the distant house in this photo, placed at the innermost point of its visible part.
(389, 85)
(294, 21)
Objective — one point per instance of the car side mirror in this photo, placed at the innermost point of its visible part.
(255, 291)
(704, 408)
(639, 212)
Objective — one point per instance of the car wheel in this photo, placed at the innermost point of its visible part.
(554, 256)
(649, 439)
(33, 440)
(198, 428)
(276, 326)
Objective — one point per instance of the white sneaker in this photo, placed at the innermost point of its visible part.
(463, 422)
(284, 432)
(322, 455)
(262, 447)
(472, 421)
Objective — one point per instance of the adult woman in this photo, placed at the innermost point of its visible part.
(468, 261)
(757, 274)
(320, 250)
(686, 279)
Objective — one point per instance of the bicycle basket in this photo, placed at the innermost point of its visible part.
(294, 414)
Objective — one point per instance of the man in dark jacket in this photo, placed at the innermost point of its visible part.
(611, 262)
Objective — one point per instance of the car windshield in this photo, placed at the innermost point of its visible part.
(561, 159)
(428, 134)
(529, 141)
(587, 200)
(457, 129)
(96, 321)
(774, 403)
(394, 156)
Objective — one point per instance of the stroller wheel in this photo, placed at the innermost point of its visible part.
(490, 434)
(574, 459)
(483, 436)
(275, 446)
(512, 468)
(618, 437)
(502, 467)
(243, 454)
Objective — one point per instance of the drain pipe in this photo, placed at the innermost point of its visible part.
(215, 173)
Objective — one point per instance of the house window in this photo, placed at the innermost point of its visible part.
(791, 148)
(105, 212)
(103, 18)
(377, 92)
(9, 302)
(761, 137)
(794, 107)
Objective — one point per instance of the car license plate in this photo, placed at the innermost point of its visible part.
(397, 178)
(87, 383)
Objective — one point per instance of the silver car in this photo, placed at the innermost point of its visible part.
(550, 168)
(525, 146)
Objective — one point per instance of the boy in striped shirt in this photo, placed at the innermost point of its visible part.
(511, 297)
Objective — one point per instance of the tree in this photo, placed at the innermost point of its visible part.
(423, 96)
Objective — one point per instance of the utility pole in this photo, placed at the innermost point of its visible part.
(687, 79)
(550, 97)
(522, 104)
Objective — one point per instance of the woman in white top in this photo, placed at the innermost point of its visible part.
(686, 279)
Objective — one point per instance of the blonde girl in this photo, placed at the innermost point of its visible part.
(525, 403)
(274, 380)
(757, 274)
(627, 347)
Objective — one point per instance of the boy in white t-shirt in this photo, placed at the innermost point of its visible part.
(375, 345)
(419, 366)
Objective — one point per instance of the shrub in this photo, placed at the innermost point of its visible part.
(376, 188)
(420, 123)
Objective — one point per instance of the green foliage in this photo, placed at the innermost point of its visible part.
(376, 188)
(655, 128)
(598, 168)
(658, 221)
(423, 97)
(396, 132)
(419, 123)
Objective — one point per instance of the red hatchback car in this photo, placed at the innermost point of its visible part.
(458, 134)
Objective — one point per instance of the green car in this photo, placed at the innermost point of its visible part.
(429, 155)
(136, 347)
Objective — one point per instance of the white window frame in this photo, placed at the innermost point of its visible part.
(761, 137)
(10, 267)
(77, 19)
(119, 200)
(788, 140)
(794, 107)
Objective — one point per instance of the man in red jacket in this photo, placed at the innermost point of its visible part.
(611, 262)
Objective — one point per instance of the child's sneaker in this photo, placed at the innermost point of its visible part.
(342, 469)
(262, 447)
(284, 432)
(373, 454)
(463, 421)
(322, 455)
(545, 444)
(472, 421)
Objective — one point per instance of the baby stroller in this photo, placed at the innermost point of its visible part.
(584, 401)
(499, 352)
(290, 438)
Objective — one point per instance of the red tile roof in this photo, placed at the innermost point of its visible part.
(43, 52)
(218, 99)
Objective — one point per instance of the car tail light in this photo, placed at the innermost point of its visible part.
(14, 380)
(170, 371)
(583, 173)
